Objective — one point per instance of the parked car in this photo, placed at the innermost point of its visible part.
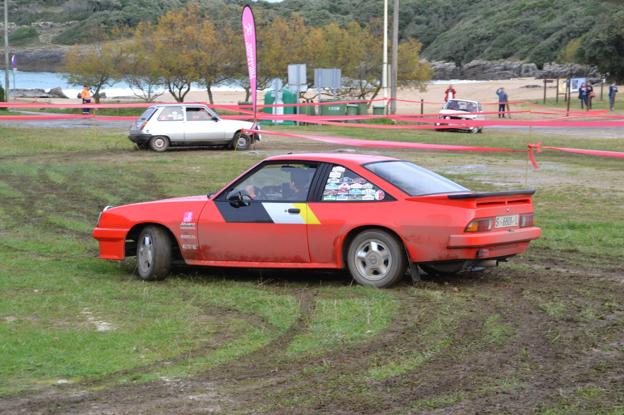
(375, 216)
(461, 109)
(164, 125)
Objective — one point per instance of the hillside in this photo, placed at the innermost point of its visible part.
(460, 31)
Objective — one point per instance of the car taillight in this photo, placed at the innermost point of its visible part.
(480, 225)
(526, 220)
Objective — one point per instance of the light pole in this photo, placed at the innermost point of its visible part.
(384, 70)
(395, 54)
(6, 50)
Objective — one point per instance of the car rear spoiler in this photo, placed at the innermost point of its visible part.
(481, 195)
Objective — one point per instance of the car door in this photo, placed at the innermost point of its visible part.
(202, 126)
(344, 201)
(261, 218)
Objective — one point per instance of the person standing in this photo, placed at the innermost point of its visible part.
(613, 89)
(449, 93)
(584, 96)
(590, 95)
(503, 100)
(85, 94)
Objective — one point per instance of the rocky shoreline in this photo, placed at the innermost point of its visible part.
(482, 70)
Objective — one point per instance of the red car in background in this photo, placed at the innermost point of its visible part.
(375, 216)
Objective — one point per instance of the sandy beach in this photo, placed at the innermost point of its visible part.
(518, 89)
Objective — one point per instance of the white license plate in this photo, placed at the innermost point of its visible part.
(506, 221)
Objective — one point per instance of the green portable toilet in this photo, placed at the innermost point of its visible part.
(333, 109)
(288, 97)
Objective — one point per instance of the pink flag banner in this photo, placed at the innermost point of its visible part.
(249, 36)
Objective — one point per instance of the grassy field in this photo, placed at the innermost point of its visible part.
(541, 334)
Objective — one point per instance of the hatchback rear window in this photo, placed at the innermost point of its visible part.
(412, 179)
(147, 114)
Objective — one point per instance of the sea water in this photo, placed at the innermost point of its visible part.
(49, 80)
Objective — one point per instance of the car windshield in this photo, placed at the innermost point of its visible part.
(412, 179)
(461, 106)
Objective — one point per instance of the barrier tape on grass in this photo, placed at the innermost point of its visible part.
(413, 122)
(531, 148)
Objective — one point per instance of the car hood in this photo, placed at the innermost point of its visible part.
(462, 114)
(164, 211)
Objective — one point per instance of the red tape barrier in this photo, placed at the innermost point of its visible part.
(333, 120)
(531, 148)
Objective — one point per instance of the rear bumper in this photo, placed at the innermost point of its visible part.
(112, 242)
(493, 239)
(139, 138)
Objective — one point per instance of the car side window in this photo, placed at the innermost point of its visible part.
(171, 114)
(197, 114)
(282, 182)
(343, 185)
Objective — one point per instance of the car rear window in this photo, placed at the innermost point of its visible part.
(147, 114)
(412, 179)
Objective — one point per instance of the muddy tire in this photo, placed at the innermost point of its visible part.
(241, 142)
(153, 254)
(376, 258)
(159, 143)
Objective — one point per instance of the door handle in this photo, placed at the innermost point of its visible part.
(294, 210)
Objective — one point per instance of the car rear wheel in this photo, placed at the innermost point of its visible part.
(376, 258)
(153, 254)
(241, 142)
(159, 143)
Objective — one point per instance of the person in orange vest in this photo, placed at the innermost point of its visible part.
(85, 94)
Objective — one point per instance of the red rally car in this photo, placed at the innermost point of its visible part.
(373, 215)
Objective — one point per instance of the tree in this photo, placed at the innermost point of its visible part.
(215, 57)
(604, 47)
(93, 65)
(140, 69)
(175, 42)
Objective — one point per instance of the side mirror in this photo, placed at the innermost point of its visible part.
(238, 198)
(215, 119)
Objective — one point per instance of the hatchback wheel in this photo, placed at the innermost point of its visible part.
(376, 258)
(159, 143)
(241, 142)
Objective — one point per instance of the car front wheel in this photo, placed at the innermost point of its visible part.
(153, 254)
(159, 143)
(241, 142)
(376, 258)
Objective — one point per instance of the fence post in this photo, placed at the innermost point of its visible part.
(422, 106)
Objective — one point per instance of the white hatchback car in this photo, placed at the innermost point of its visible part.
(164, 125)
(462, 109)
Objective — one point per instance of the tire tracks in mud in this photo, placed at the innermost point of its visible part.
(471, 371)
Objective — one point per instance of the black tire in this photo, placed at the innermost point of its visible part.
(376, 258)
(241, 142)
(153, 254)
(159, 143)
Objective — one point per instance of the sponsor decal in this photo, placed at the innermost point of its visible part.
(188, 217)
